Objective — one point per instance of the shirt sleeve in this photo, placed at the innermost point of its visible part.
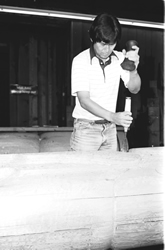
(125, 74)
(79, 75)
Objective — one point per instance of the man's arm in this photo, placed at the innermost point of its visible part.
(134, 83)
(120, 118)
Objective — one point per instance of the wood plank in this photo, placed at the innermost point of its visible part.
(50, 82)
(14, 48)
(55, 85)
(33, 75)
(36, 129)
(23, 80)
(42, 83)
(40, 128)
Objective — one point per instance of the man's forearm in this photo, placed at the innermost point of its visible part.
(95, 109)
(134, 83)
(119, 118)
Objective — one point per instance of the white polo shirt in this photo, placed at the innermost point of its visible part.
(103, 84)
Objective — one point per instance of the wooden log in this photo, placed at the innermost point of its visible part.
(14, 143)
(55, 141)
(70, 200)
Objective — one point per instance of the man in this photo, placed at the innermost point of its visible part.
(96, 74)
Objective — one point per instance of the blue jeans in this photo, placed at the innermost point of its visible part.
(88, 136)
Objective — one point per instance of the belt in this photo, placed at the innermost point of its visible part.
(94, 121)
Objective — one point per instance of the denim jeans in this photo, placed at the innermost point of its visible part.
(88, 136)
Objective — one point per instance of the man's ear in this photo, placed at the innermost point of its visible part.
(91, 40)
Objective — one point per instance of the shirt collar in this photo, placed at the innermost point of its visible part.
(93, 54)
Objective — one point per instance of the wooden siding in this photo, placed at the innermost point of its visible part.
(39, 57)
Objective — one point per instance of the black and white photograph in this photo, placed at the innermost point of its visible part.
(82, 141)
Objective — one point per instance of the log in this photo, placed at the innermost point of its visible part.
(70, 200)
(55, 141)
(15, 143)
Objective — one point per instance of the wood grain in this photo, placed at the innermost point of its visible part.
(70, 200)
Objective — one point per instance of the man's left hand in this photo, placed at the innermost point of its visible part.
(133, 55)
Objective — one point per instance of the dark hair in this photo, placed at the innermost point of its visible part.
(106, 28)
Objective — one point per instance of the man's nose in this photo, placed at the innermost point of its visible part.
(107, 48)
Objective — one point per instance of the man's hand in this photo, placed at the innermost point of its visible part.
(133, 55)
(122, 118)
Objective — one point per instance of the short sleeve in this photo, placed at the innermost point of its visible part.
(79, 75)
(125, 76)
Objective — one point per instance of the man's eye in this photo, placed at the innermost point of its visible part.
(103, 43)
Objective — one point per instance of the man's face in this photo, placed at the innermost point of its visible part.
(103, 50)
